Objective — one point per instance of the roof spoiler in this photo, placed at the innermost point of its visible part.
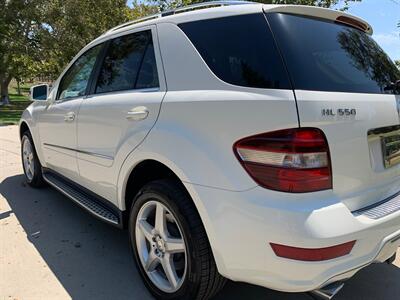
(322, 13)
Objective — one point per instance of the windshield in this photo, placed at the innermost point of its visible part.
(326, 56)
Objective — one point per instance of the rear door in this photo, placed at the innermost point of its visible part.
(123, 105)
(342, 85)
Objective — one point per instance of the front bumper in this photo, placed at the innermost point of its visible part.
(240, 226)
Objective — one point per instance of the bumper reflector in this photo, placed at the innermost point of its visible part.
(313, 254)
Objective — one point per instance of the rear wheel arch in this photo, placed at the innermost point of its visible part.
(160, 171)
(144, 172)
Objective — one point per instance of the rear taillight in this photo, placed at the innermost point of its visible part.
(292, 160)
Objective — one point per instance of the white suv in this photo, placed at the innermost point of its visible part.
(253, 142)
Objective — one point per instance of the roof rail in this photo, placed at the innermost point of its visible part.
(203, 5)
(182, 9)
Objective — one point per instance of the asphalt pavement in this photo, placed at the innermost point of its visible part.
(52, 249)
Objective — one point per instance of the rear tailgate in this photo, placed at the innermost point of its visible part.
(360, 177)
(342, 84)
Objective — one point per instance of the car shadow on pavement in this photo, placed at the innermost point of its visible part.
(92, 260)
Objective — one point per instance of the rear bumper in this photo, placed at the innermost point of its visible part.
(241, 226)
(388, 248)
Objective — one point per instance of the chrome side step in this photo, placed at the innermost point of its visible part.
(329, 291)
(83, 199)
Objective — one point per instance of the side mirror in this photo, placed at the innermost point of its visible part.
(39, 92)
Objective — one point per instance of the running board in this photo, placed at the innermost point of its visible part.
(84, 199)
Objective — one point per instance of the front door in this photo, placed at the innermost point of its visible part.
(57, 125)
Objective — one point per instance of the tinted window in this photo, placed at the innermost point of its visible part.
(148, 77)
(75, 80)
(125, 57)
(239, 50)
(326, 56)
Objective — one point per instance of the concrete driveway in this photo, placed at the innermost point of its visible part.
(51, 249)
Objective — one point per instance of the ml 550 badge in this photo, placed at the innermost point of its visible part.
(341, 112)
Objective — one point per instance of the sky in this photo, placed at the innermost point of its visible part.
(383, 15)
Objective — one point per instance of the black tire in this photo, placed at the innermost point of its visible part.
(202, 280)
(37, 178)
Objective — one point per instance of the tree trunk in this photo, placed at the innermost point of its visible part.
(18, 87)
(4, 83)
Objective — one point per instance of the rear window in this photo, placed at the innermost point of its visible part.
(326, 56)
(239, 50)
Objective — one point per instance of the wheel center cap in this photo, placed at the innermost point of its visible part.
(160, 245)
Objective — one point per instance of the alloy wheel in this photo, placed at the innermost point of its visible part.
(161, 246)
(28, 159)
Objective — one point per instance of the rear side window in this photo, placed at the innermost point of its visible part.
(128, 64)
(148, 76)
(239, 50)
(326, 56)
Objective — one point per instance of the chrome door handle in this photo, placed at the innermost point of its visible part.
(69, 117)
(138, 113)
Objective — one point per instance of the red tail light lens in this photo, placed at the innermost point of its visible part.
(293, 160)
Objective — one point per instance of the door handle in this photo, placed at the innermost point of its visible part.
(69, 117)
(138, 113)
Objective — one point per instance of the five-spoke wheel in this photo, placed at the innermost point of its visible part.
(27, 159)
(170, 244)
(30, 161)
(160, 245)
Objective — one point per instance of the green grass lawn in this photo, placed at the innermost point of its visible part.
(11, 114)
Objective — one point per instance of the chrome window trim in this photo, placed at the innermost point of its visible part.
(145, 90)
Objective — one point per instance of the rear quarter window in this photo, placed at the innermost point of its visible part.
(239, 50)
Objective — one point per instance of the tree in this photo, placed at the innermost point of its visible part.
(168, 4)
(39, 37)
(142, 9)
(18, 19)
(72, 24)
